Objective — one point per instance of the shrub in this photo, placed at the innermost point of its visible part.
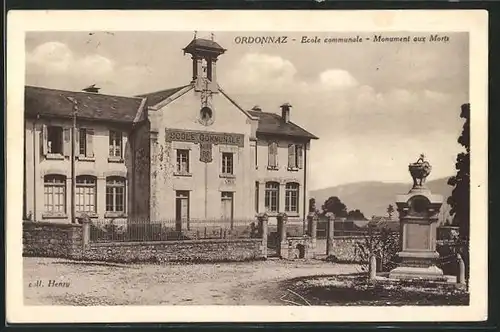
(384, 245)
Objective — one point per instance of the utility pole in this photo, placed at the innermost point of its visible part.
(73, 154)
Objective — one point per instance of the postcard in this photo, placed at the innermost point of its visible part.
(246, 166)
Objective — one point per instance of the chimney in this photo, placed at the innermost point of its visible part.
(285, 112)
(92, 89)
(257, 108)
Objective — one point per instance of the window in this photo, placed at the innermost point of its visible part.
(55, 139)
(272, 196)
(83, 141)
(55, 193)
(115, 194)
(294, 156)
(115, 144)
(182, 161)
(85, 196)
(292, 197)
(273, 155)
(227, 163)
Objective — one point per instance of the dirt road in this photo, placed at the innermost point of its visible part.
(50, 281)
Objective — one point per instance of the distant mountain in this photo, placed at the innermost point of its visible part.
(373, 197)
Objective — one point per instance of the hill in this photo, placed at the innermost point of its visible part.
(373, 197)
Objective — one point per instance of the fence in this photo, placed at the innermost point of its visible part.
(171, 230)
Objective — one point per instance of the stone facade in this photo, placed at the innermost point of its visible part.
(39, 166)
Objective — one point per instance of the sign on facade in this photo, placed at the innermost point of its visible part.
(204, 137)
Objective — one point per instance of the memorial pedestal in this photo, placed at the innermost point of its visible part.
(418, 212)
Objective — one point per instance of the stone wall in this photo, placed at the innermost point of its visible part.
(176, 251)
(344, 248)
(45, 239)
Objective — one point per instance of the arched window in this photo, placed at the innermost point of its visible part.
(272, 196)
(85, 196)
(115, 194)
(54, 190)
(292, 197)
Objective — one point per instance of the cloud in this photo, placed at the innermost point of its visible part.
(57, 58)
(364, 133)
(55, 65)
(337, 79)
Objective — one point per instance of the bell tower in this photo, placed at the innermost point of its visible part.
(204, 53)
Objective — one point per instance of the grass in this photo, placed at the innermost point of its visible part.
(356, 290)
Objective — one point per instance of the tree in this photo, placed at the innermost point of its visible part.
(312, 205)
(355, 215)
(459, 200)
(334, 205)
(390, 210)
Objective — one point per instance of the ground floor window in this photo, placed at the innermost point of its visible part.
(115, 194)
(292, 197)
(85, 200)
(55, 193)
(272, 196)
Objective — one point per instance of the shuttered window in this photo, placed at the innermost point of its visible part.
(295, 156)
(85, 139)
(273, 154)
(115, 144)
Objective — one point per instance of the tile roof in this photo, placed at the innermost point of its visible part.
(204, 44)
(154, 98)
(273, 124)
(93, 106)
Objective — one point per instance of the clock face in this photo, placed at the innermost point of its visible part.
(206, 116)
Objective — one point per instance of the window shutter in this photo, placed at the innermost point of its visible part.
(273, 160)
(67, 142)
(275, 153)
(44, 140)
(270, 154)
(300, 156)
(77, 139)
(291, 155)
(90, 143)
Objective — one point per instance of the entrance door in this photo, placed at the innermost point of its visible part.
(227, 207)
(181, 209)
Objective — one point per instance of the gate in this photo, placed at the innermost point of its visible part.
(273, 241)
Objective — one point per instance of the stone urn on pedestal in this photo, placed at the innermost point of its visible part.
(418, 214)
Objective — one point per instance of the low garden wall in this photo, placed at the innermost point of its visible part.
(207, 250)
(345, 248)
(45, 239)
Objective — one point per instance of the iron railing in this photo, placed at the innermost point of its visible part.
(171, 230)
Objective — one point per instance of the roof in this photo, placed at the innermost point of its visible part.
(92, 106)
(201, 44)
(154, 98)
(273, 124)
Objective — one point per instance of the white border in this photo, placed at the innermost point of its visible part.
(473, 21)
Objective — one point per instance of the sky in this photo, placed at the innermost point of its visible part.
(374, 106)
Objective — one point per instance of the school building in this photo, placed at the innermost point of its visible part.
(163, 155)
